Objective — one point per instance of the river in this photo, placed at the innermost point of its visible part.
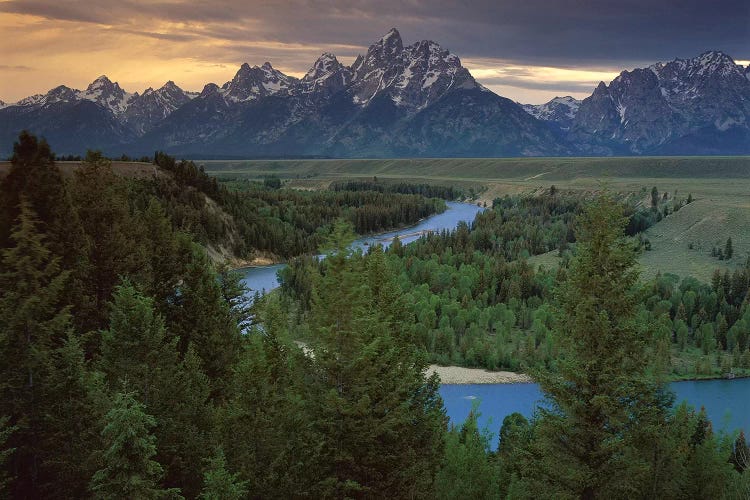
(727, 402)
(265, 278)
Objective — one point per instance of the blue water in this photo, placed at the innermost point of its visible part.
(265, 278)
(727, 402)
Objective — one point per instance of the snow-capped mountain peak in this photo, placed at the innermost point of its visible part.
(145, 110)
(327, 75)
(683, 101)
(250, 83)
(559, 111)
(391, 43)
(325, 65)
(107, 94)
(413, 76)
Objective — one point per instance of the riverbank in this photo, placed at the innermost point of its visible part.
(452, 375)
(456, 375)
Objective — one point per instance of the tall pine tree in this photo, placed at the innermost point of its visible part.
(128, 469)
(33, 323)
(600, 395)
(382, 423)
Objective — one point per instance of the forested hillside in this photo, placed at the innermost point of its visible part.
(131, 368)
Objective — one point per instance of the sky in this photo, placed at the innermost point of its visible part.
(528, 50)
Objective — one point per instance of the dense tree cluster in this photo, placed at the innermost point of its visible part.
(265, 217)
(428, 190)
(477, 302)
(291, 222)
(708, 325)
(124, 372)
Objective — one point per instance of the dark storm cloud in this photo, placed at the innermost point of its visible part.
(554, 32)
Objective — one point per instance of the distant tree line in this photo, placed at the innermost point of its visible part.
(428, 190)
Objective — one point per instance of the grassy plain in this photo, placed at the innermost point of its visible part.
(720, 187)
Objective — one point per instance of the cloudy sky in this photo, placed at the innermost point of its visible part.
(528, 50)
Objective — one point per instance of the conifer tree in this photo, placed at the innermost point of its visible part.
(134, 348)
(5, 452)
(33, 322)
(128, 469)
(601, 399)
(467, 470)
(235, 295)
(102, 206)
(76, 401)
(137, 350)
(200, 316)
(265, 427)
(380, 420)
(35, 179)
(728, 249)
(181, 405)
(219, 483)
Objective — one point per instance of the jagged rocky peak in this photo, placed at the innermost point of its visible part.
(680, 104)
(555, 108)
(326, 75)
(390, 45)
(208, 89)
(147, 109)
(324, 66)
(413, 76)
(60, 93)
(253, 82)
(379, 56)
(558, 112)
(714, 61)
(711, 64)
(171, 86)
(107, 94)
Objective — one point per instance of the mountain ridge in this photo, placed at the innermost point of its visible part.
(397, 100)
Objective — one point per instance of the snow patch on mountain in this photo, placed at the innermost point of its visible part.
(251, 83)
(107, 94)
(413, 77)
(559, 111)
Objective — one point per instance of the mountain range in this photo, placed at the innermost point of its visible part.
(398, 101)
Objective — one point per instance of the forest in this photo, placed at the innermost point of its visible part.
(282, 222)
(133, 367)
(477, 302)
